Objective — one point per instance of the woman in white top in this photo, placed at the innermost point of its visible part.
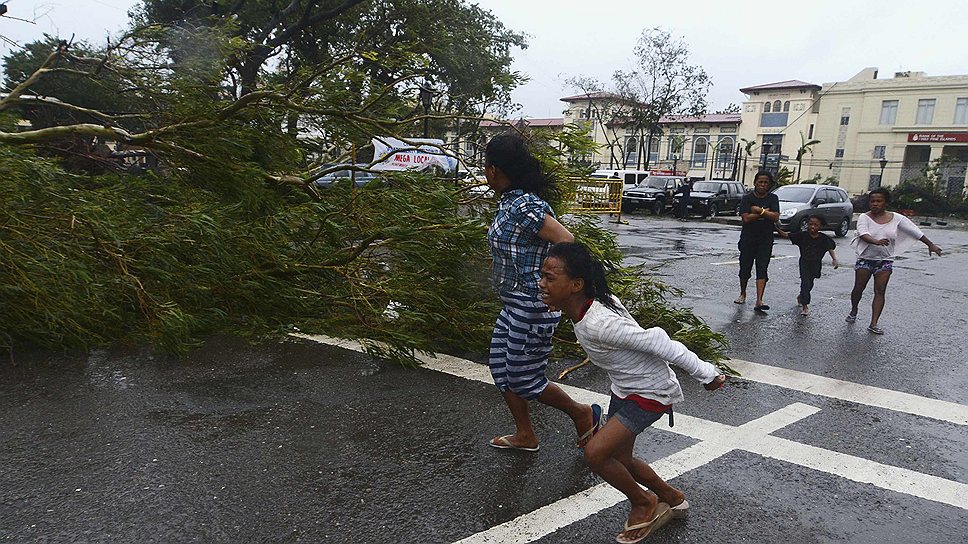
(881, 236)
(643, 386)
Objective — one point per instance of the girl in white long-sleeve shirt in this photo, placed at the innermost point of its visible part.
(644, 387)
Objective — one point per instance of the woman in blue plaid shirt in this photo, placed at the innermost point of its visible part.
(523, 231)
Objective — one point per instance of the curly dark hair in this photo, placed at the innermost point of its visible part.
(883, 192)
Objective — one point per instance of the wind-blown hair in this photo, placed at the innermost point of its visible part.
(579, 263)
(509, 152)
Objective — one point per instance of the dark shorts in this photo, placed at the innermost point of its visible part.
(754, 250)
(631, 415)
(875, 267)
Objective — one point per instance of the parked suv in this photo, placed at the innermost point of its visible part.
(655, 193)
(830, 203)
(713, 197)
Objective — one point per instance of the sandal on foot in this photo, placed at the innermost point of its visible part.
(662, 514)
(598, 421)
(680, 510)
(740, 300)
(851, 318)
(761, 307)
(502, 443)
(804, 310)
(875, 330)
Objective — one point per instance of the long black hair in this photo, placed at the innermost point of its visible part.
(579, 263)
(510, 152)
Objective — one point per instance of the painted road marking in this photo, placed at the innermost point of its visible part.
(773, 258)
(862, 394)
(716, 439)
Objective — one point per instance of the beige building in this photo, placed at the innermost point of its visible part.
(776, 116)
(866, 126)
(900, 123)
(699, 147)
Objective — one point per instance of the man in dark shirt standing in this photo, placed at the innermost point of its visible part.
(760, 209)
(684, 200)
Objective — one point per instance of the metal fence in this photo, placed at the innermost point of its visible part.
(594, 196)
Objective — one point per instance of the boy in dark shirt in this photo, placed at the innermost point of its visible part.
(813, 244)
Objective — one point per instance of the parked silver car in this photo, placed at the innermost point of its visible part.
(832, 204)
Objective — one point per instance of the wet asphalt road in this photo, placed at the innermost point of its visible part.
(303, 442)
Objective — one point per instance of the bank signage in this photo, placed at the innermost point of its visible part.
(938, 137)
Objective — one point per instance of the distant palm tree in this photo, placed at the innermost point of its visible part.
(805, 147)
(748, 146)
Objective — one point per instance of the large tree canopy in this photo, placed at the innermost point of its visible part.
(228, 233)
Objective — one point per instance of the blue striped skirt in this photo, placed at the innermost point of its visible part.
(521, 345)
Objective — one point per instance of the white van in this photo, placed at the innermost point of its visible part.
(630, 178)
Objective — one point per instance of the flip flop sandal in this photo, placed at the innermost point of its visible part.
(804, 312)
(740, 300)
(875, 330)
(502, 443)
(598, 421)
(851, 318)
(662, 515)
(762, 307)
(681, 510)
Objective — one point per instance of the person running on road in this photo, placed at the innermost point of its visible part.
(643, 386)
(759, 209)
(813, 244)
(523, 230)
(881, 236)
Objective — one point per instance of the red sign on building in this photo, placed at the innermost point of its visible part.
(938, 137)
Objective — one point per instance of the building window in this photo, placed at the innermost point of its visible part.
(777, 106)
(925, 112)
(844, 120)
(654, 150)
(631, 152)
(786, 106)
(839, 153)
(675, 145)
(699, 152)
(583, 114)
(889, 112)
(880, 151)
(961, 111)
(810, 132)
(773, 119)
(766, 108)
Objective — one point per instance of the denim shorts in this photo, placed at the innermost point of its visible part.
(631, 415)
(874, 266)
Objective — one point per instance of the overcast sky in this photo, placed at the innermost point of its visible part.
(738, 43)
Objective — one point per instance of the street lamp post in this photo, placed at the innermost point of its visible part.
(880, 179)
(426, 95)
(767, 146)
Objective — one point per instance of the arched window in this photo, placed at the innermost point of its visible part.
(786, 106)
(777, 106)
(766, 108)
(631, 151)
(699, 152)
